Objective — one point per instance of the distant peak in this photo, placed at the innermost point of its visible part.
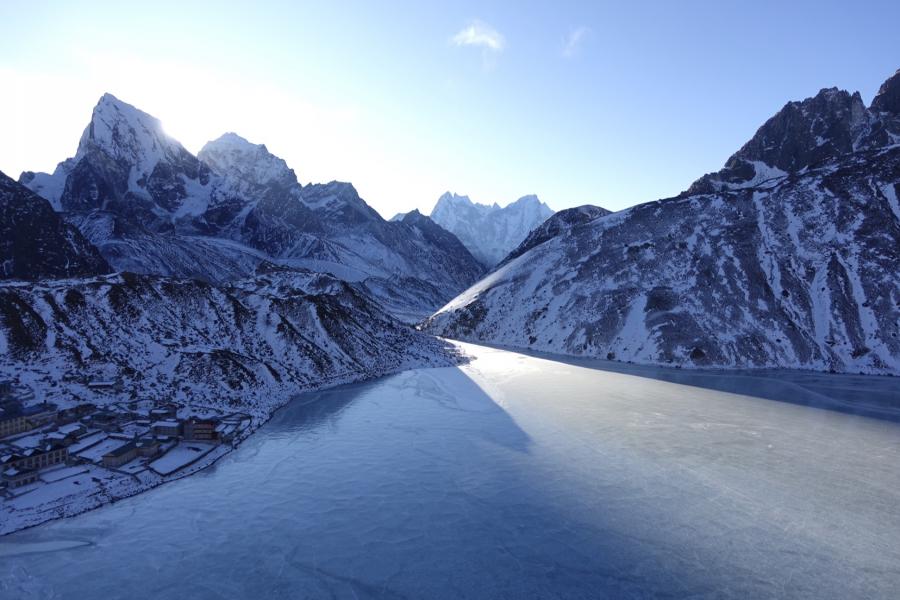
(234, 140)
(454, 198)
(232, 143)
(230, 136)
(232, 154)
(528, 199)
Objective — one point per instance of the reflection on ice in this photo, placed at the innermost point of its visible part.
(864, 395)
(513, 476)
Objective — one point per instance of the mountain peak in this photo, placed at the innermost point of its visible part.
(230, 137)
(232, 140)
(530, 200)
(126, 133)
(339, 202)
(804, 133)
(414, 217)
(453, 198)
(233, 156)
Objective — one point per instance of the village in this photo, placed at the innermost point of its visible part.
(48, 453)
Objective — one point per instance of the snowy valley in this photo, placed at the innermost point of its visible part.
(157, 307)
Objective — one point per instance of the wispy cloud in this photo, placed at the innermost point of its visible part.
(573, 40)
(481, 35)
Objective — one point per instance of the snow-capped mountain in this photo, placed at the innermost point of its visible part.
(125, 163)
(249, 346)
(152, 207)
(787, 257)
(489, 232)
(35, 242)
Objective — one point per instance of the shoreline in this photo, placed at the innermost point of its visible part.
(56, 511)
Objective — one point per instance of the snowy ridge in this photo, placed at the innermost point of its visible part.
(561, 223)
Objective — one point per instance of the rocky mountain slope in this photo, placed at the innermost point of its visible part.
(249, 346)
(35, 242)
(561, 223)
(152, 207)
(787, 257)
(489, 232)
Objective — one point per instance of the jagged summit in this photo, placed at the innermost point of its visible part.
(125, 163)
(806, 133)
(127, 133)
(489, 231)
(829, 124)
(450, 199)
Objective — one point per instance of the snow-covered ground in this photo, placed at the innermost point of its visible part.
(180, 456)
(514, 476)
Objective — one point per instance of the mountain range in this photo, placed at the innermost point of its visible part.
(786, 257)
(233, 280)
(152, 207)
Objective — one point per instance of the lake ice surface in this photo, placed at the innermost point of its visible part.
(513, 477)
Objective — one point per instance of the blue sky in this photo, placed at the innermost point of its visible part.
(580, 102)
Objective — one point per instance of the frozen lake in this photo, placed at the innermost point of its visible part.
(514, 477)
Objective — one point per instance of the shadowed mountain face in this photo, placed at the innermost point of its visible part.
(787, 257)
(152, 207)
(35, 242)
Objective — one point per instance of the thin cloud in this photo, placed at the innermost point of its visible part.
(480, 35)
(574, 40)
